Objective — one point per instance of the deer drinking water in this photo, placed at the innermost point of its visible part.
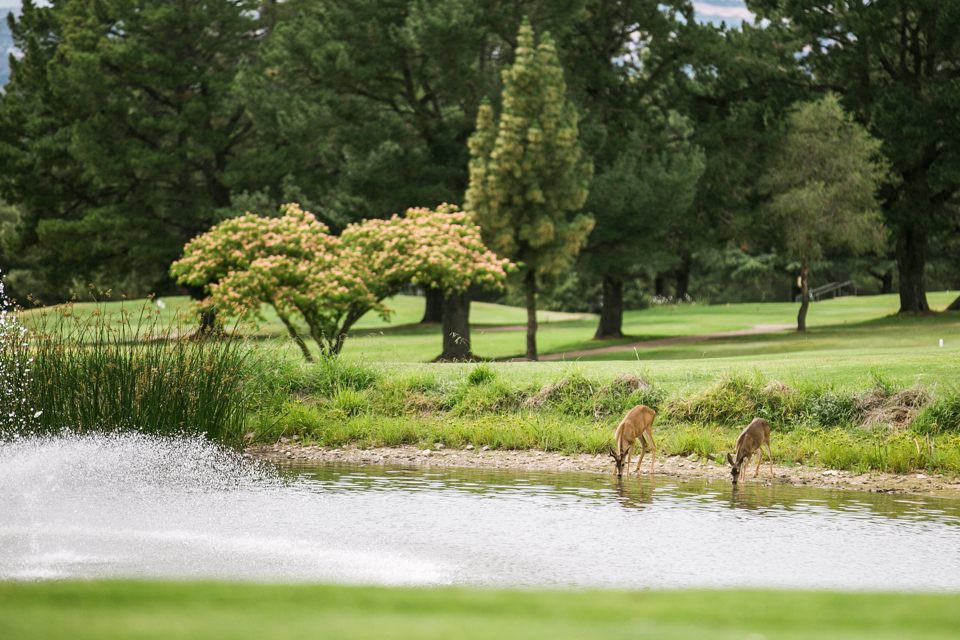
(751, 439)
(637, 424)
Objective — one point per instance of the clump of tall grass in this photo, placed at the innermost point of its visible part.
(942, 414)
(130, 371)
(738, 398)
(481, 373)
(329, 376)
(578, 395)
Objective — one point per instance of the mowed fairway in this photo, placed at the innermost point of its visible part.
(843, 326)
(209, 610)
(865, 328)
(848, 337)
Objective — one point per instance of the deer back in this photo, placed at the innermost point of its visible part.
(637, 420)
(752, 438)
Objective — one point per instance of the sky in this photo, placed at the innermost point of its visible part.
(733, 12)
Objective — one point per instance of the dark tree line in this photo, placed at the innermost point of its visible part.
(130, 126)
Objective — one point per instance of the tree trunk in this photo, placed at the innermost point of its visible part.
(911, 260)
(292, 331)
(208, 317)
(683, 277)
(611, 313)
(804, 297)
(885, 278)
(456, 328)
(434, 309)
(531, 285)
(661, 286)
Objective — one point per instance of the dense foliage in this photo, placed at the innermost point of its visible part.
(128, 128)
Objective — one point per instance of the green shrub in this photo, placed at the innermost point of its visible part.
(491, 397)
(572, 394)
(731, 399)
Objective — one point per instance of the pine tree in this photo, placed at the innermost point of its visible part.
(528, 179)
(121, 133)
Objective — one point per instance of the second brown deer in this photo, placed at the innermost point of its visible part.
(751, 439)
(636, 425)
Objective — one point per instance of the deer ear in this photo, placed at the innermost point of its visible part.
(730, 460)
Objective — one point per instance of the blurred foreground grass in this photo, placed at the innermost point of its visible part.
(145, 610)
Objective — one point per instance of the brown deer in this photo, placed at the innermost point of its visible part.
(637, 424)
(751, 439)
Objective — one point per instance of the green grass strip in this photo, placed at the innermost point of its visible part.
(134, 610)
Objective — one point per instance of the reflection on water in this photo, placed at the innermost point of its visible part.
(131, 506)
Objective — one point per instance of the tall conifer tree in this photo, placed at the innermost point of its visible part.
(528, 178)
(121, 133)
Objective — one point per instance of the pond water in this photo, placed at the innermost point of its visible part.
(141, 507)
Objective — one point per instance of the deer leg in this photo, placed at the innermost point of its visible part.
(759, 462)
(629, 455)
(653, 450)
(643, 451)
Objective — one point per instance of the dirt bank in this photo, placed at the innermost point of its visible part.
(677, 466)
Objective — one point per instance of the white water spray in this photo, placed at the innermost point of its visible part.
(15, 413)
(136, 506)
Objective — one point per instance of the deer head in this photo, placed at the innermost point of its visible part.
(734, 468)
(620, 459)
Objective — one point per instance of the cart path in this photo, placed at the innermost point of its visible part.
(661, 342)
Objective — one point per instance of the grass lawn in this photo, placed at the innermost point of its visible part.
(847, 338)
(864, 325)
(209, 610)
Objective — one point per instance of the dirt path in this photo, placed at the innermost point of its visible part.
(676, 466)
(661, 342)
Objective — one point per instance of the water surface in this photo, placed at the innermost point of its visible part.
(134, 506)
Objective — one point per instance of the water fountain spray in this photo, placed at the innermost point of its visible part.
(16, 415)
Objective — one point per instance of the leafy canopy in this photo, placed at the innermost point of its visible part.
(293, 264)
(824, 182)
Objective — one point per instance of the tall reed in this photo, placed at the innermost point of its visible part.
(128, 370)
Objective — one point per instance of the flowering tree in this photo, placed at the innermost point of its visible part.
(450, 256)
(293, 264)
